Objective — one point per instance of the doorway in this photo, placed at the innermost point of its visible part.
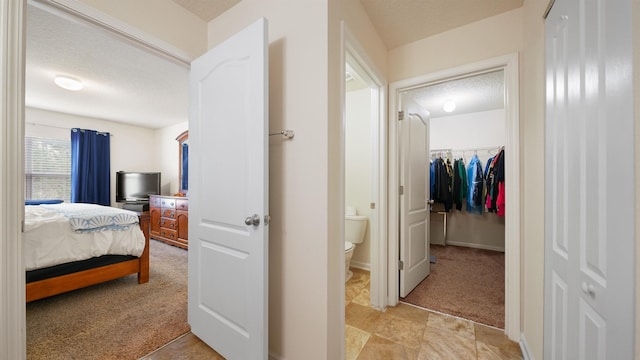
(364, 97)
(509, 64)
(467, 127)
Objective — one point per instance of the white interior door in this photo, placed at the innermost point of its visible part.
(589, 182)
(228, 196)
(414, 196)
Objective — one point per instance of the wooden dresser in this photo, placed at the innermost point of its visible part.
(170, 219)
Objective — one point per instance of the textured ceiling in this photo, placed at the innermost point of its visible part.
(207, 9)
(127, 84)
(122, 82)
(471, 94)
(400, 22)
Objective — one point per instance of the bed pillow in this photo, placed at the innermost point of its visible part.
(40, 202)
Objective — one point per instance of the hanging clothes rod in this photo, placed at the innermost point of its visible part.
(488, 148)
(289, 134)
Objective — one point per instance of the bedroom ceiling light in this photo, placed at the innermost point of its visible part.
(68, 83)
(449, 106)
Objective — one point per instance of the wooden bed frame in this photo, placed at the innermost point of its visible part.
(57, 285)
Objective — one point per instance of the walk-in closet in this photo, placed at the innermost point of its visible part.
(467, 134)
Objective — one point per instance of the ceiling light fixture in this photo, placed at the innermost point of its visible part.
(449, 106)
(68, 83)
(349, 77)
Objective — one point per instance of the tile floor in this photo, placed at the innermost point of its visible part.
(403, 332)
(408, 332)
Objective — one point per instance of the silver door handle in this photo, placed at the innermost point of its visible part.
(588, 289)
(252, 220)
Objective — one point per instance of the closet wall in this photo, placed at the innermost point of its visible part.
(480, 131)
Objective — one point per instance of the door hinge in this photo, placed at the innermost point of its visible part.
(400, 115)
(401, 265)
(401, 190)
(372, 205)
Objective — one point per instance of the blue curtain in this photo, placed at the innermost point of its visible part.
(90, 167)
(185, 166)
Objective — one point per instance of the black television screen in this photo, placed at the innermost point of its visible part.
(136, 186)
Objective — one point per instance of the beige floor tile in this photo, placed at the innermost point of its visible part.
(442, 344)
(378, 348)
(362, 317)
(497, 342)
(363, 298)
(408, 312)
(355, 339)
(405, 332)
(454, 325)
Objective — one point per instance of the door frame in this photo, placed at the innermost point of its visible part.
(509, 63)
(351, 47)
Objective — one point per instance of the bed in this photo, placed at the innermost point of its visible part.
(70, 246)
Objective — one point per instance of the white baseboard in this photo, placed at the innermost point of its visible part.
(360, 265)
(476, 246)
(524, 347)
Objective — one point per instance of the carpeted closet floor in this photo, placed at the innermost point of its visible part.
(464, 282)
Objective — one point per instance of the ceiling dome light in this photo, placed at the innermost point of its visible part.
(68, 83)
(449, 106)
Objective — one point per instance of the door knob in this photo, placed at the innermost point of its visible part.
(253, 220)
(588, 289)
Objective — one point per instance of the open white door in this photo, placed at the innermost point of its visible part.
(228, 196)
(414, 197)
(589, 180)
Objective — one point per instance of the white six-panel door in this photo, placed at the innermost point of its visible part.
(228, 196)
(414, 206)
(589, 182)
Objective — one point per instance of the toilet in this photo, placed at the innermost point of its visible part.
(355, 226)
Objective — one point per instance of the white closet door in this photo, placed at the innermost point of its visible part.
(589, 180)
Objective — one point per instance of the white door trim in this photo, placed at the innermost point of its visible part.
(12, 278)
(378, 254)
(512, 157)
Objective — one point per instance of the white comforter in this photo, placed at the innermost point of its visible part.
(49, 238)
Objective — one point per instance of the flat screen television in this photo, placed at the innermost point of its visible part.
(135, 187)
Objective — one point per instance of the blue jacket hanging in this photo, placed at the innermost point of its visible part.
(476, 186)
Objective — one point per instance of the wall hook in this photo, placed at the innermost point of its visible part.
(289, 134)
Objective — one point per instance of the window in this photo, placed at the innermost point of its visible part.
(47, 169)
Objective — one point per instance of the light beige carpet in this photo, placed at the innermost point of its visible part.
(120, 319)
(465, 282)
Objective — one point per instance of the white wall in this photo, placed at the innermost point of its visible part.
(358, 154)
(168, 156)
(532, 109)
(163, 19)
(467, 131)
(125, 140)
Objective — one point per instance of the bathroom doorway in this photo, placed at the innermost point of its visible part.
(364, 164)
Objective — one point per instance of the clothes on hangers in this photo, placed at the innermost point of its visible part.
(442, 183)
(494, 190)
(476, 186)
(460, 184)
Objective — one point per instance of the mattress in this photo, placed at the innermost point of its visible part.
(50, 238)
